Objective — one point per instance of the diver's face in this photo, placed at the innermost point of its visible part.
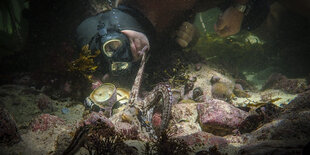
(138, 41)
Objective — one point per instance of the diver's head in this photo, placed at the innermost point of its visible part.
(120, 34)
(122, 48)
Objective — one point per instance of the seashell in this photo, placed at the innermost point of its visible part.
(197, 92)
(215, 79)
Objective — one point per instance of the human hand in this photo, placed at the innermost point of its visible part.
(229, 23)
(138, 42)
(185, 34)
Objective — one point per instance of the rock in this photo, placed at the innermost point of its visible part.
(279, 81)
(62, 142)
(183, 121)
(94, 117)
(239, 92)
(276, 147)
(204, 138)
(45, 121)
(45, 103)
(185, 128)
(251, 123)
(219, 117)
(301, 102)
(245, 84)
(184, 112)
(287, 127)
(198, 66)
(236, 139)
(127, 130)
(8, 131)
(238, 86)
(64, 110)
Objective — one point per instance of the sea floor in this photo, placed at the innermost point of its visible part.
(216, 119)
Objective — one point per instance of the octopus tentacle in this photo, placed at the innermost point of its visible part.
(161, 91)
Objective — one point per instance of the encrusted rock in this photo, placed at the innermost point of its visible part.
(45, 103)
(45, 121)
(279, 81)
(93, 117)
(219, 117)
(204, 138)
(301, 102)
(128, 130)
(184, 112)
(185, 128)
(8, 130)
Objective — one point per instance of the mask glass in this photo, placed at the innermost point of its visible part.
(116, 49)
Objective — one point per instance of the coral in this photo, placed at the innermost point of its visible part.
(45, 121)
(8, 130)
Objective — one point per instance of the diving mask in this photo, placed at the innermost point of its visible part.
(116, 49)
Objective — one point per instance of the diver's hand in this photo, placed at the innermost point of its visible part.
(185, 34)
(229, 23)
(138, 41)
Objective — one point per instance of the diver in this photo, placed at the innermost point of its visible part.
(121, 32)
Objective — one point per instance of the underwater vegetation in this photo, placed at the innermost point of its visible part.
(101, 138)
(165, 144)
(85, 64)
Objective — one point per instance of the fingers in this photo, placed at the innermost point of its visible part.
(224, 32)
(185, 34)
(220, 24)
(138, 41)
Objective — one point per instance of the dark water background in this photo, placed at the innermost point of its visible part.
(40, 37)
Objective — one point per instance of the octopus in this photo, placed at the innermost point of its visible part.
(148, 105)
(138, 111)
